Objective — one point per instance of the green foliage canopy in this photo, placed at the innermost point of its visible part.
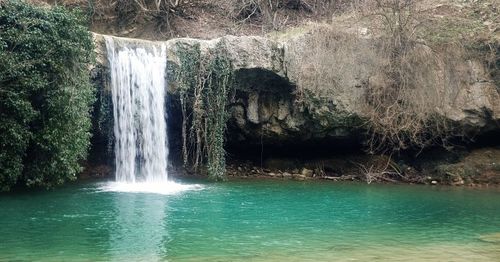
(45, 94)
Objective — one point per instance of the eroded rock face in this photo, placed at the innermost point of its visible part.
(266, 108)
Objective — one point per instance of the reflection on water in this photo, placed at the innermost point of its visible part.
(139, 229)
(140, 213)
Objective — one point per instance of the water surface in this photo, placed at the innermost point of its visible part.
(253, 220)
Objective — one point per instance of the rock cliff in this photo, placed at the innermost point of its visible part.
(267, 107)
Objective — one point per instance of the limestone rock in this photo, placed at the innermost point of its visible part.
(267, 73)
(253, 108)
(479, 166)
(307, 172)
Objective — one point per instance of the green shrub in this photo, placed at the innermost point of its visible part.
(45, 94)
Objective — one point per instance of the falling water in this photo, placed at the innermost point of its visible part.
(138, 92)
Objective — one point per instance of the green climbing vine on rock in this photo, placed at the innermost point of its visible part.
(204, 88)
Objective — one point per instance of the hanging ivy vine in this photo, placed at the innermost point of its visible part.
(204, 88)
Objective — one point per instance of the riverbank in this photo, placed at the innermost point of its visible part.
(477, 167)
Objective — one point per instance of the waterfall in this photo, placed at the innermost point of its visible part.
(138, 83)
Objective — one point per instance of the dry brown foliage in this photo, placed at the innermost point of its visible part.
(384, 169)
(330, 60)
(405, 101)
(275, 14)
(405, 85)
(127, 15)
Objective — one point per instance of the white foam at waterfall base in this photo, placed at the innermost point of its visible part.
(166, 188)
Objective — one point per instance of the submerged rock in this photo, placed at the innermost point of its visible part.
(491, 238)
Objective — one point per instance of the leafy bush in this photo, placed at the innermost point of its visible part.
(45, 94)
